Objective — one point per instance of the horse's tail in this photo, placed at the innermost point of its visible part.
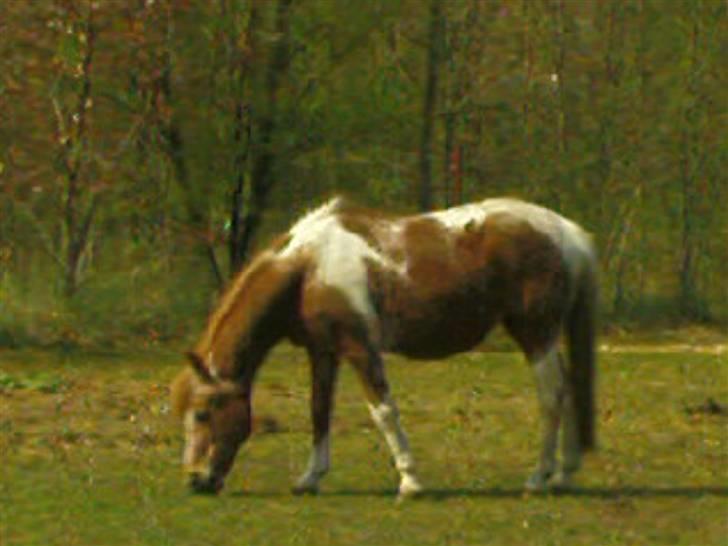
(581, 333)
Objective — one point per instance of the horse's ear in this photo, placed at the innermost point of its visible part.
(198, 366)
(180, 392)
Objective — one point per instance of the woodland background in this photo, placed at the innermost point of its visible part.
(148, 147)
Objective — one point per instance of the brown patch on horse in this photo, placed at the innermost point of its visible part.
(375, 228)
(461, 283)
(361, 225)
(429, 255)
(436, 309)
(327, 315)
(533, 280)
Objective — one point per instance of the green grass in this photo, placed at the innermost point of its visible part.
(90, 455)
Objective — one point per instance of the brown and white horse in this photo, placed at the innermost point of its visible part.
(351, 284)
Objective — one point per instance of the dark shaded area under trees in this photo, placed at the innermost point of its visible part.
(148, 147)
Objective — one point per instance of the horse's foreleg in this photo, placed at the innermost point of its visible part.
(550, 383)
(385, 414)
(324, 368)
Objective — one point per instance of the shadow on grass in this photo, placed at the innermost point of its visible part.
(592, 492)
(687, 492)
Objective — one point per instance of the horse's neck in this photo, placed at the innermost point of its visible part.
(261, 336)
(252, 317)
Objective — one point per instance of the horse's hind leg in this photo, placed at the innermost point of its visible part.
(550, 380)
(570, 449)
(324, 366)
(370, 368)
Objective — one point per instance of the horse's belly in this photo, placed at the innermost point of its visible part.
(435, 337)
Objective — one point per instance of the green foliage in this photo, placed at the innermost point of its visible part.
(611, 112)
(140, 304)
(8, 382)
(42, 382)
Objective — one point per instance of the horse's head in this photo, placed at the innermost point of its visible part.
(216, 415)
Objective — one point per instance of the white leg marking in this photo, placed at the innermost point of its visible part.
(550, 384)
(386, 417)
(318, 466)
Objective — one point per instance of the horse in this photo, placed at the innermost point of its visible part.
(347, 283)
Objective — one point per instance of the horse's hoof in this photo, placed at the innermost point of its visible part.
(300, 490)
(536, 483)
(403, 497)
(410, 488)
(560, 481)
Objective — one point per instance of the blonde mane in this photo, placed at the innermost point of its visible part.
(231, 302)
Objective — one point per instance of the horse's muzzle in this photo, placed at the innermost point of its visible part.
(205, 485)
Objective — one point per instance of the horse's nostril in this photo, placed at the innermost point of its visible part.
(193, 481)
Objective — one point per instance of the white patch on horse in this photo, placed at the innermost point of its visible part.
(386, 417)
(457, 218)
(189, 454)
(574, 243)
(577, 248)
(304, 225)
(390, 237)
(318, 466)
(340, 256)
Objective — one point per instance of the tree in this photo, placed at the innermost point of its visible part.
(265, 126)
(72, 100)
(434, 47)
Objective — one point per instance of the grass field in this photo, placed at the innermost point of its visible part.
(90, 455)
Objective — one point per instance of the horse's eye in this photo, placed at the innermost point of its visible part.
(202, 416)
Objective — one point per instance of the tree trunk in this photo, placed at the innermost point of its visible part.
(428, 111)
(175, 149)
(79, 210)
(559, 182)
(235, 245)
(261, 177)
(239, 68)
(691, 163)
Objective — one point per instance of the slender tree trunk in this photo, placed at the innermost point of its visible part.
(265, 125)
(687, 248)
(172, 135)
(526, 108)
(449, 165)
(428, 111)
(450, 101)
(456, 37)
(642, 152)
(557, 78)
(690, 303)
(79, 208)
(242, 131)
(239, 73)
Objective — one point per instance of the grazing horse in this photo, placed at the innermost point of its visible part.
(351, 284)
